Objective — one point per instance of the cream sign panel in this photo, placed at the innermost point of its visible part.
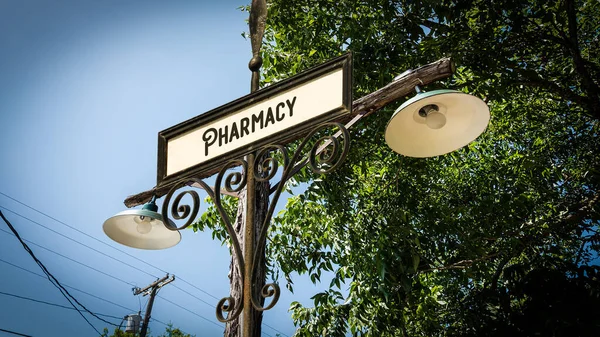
(277, 114)
(256, 122)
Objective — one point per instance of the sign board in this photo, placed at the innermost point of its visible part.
(274, 115)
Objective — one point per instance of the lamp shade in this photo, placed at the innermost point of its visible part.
(436, 122)
(142, 228)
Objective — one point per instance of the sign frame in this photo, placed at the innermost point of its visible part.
(213, 165)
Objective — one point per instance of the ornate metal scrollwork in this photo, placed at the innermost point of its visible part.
(325, 154)
(227, 305)
(234, 182)
(268, 165)
(320, 154)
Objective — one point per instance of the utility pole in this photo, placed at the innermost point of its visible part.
(152, 289)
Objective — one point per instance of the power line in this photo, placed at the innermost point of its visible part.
(73, 260)
(194, 296)
(82, 232)
(105, 300)
(102, 254)
(84, 292)
(111, 257)
(15, 333)
(50, 303)
(192, 312)
(104, 243)
(53, 279)
(68, 286)
(83, 244)
(192, 285)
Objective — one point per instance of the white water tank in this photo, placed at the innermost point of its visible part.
(133, 323)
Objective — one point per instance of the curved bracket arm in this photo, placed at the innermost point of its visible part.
(326, 154)
(234, 182)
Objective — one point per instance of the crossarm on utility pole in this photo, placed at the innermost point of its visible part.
(152, 289)
(366, 105)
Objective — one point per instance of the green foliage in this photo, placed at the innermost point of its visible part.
(211, 220)
(498, 238)
(169, 332)
(174, 332)
(432, 246)
(118, 333)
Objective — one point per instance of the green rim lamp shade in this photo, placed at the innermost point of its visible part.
(142, 228)
(436, 122)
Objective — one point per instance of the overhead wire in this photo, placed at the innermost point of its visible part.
(190, 311)
(70, 298)
(100, 298)
(51, 304)
(79, 290)
(104, 243)
(40, 275)
(154, 319)
(78, 242)
(14, 333)
(117, 249)
(72, 260)
(68, 286)
(81, 232)
(111, 257)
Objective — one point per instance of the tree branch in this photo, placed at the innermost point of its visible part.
(464, 264)
(590, 86)
(556, 89)
(499, 269)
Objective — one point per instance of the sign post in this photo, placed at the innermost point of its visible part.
(287, 110)
(251, 133)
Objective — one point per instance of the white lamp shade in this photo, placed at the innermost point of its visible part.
(124, 229)
(411, 134)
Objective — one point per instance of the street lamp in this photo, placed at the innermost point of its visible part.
(436, 122)
(232, 137)
(143, 229)
(427, 125)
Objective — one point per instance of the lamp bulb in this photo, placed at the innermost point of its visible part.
(435, 120)
(144, 224)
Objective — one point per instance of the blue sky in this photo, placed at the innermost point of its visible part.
(85, 87)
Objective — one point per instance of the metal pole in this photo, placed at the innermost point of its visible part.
(148, 311)
(248, 313)
(248, 317)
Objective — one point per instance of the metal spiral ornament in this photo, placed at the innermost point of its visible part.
(235, 181)
(180, 212)
(268, 290)
(227, 305)
(267, 164)
(327, 153)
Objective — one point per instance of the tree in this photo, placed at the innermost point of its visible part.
(169, 332)
(476, 242)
